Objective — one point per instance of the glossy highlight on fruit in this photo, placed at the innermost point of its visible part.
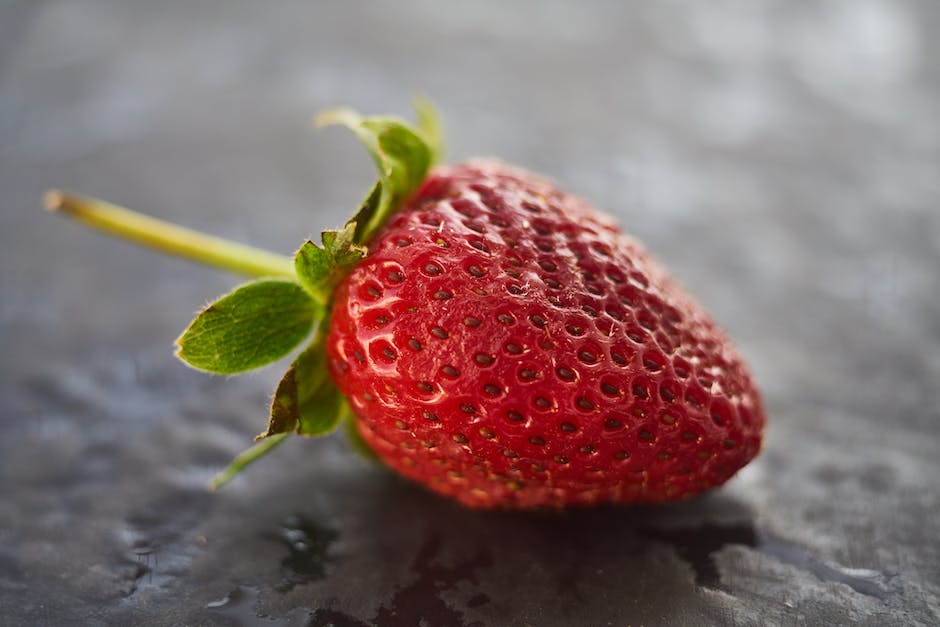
(506, 345)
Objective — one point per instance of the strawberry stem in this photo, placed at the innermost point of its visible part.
(170, 238)
(246, 457)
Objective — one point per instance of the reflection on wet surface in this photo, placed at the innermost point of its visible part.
(420, 602)
(698, 546)
(241, 607)
(863, 581)
(560, 557)
(309, 545)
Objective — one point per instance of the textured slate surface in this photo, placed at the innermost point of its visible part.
(782, 159)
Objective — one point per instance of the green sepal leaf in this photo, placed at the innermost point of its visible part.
(306, 401)
(429, 126)
(402, 154)
(367, 209)
(319, 268)
(312, 264)
(252, 326)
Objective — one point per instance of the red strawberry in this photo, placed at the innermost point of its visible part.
(498, 340)
(503, 343)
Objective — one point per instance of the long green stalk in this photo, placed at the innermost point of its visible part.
(170, 238)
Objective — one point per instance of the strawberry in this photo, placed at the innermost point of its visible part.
(482, 332)
(504, 344)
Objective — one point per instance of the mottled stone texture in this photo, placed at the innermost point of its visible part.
(781, 158)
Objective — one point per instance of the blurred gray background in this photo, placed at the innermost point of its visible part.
(783, 159)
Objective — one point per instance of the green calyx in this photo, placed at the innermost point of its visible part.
(402, 155)
(265, 320)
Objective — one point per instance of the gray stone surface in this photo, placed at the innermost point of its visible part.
(783, 159)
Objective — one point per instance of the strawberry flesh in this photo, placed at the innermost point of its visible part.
(506, 345)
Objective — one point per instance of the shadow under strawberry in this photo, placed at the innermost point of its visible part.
(585, 566)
